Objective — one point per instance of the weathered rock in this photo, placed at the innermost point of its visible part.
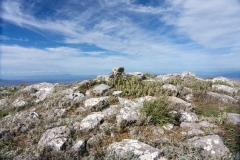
(54, 138)
(117, 93)
(170, 87)
(79, 146)
(101, 89)
(127, 116)
(222, 97)
(212, 145)
(225, 88)
(186, 74)
(187, 117)
(91, 121)
(19, 102)
(189, 97)
(190, 125)
(195, 132)
(21, 128)
(206, 124)
(111, 110)
(42, 90)
(76, 97)
(139, 75)
(129, 103)
(180, 104)
(96, 104)
(164, 78)
(132, 149)
(233, 118)
(116, 72)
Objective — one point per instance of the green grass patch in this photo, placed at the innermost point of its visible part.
(159, 111)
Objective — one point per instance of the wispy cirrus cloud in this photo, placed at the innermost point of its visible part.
(190, 34)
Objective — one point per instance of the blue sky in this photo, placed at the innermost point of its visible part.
(93, 36)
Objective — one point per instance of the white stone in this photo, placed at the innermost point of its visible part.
(96, 104)
(100, 89)
(91, 121)
(111, 110)
(19, 102)
(190, 125)
(233, 118)
(222, 79)
(222, 97)
(54, 138)
(78, 146)
(195, 132)
(206, 124)
(188, 117)
(127, 116)
(225, 88)
(129, 103)
(139, 150)
(139, 75)
(211, 145)
(177, 102)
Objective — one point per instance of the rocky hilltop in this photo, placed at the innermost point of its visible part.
(122, 116)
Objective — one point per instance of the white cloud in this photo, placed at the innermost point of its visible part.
(213, 24)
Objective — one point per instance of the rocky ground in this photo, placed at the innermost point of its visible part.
(122, 116)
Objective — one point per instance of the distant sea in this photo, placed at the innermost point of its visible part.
(64, 79)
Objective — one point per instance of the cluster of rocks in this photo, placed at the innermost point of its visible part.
(126, 113)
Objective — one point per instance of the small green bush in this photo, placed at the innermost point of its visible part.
(159, 111)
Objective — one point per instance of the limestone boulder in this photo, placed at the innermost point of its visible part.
(180, 104)
(116, 72)
(127, 116)
(79, 146)
(233, 118)
(222, 97)
(187, 117)
(212, 145)
(91, 121)
(96, 104)
(54, 138)
(222, 79)
(170, 87)
(225, 88)
(101, 89)
(132, 149)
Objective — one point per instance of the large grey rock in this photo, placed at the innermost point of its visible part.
(187, 74)
(19, 102)
(54, 138)
(101, 89)
(225, 88)
(116, 72)
(212, 145)
(233, 118)
(206, 124)
(167, 77)
(222, 97)
(180, 104)
(187, 117)
(96, 104)
(43, 90)
(91, 121)
(190, 125)
(127, 116)
(111, 110)
(132, 149)
(129, 103)
(79, 146)
(76, 97)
